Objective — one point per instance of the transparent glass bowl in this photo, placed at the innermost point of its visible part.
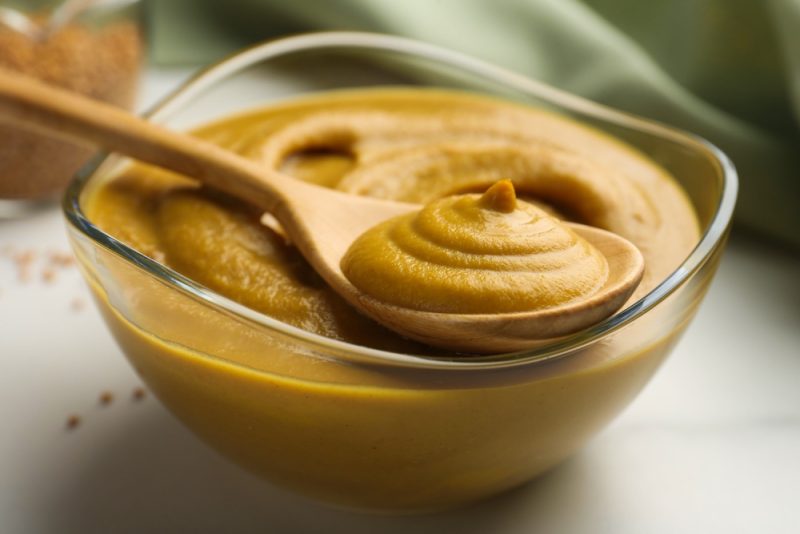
(356, 426)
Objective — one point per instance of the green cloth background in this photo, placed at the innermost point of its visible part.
(728, 70)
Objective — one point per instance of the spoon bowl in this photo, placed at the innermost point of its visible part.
(510, 332)
(321, 222)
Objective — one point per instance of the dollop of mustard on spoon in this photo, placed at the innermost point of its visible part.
(476, 254)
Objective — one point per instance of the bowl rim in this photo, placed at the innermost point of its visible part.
(712, 238)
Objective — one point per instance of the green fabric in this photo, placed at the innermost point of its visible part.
(728, 70)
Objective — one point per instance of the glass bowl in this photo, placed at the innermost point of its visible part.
(97, 51)
(359, 427)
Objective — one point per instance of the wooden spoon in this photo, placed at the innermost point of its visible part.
(321, 222)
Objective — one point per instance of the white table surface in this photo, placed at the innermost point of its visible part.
(712, 445)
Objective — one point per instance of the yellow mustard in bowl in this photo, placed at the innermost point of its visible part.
(318, 418)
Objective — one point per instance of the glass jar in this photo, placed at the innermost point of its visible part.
(93, 48)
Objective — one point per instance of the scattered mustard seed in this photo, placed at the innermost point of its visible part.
(73, 422)
(106, 398)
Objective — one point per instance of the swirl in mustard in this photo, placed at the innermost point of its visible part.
(489, 253)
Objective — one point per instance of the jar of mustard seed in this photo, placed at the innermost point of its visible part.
(93, 47)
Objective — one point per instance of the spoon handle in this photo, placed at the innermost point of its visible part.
(31, 104)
